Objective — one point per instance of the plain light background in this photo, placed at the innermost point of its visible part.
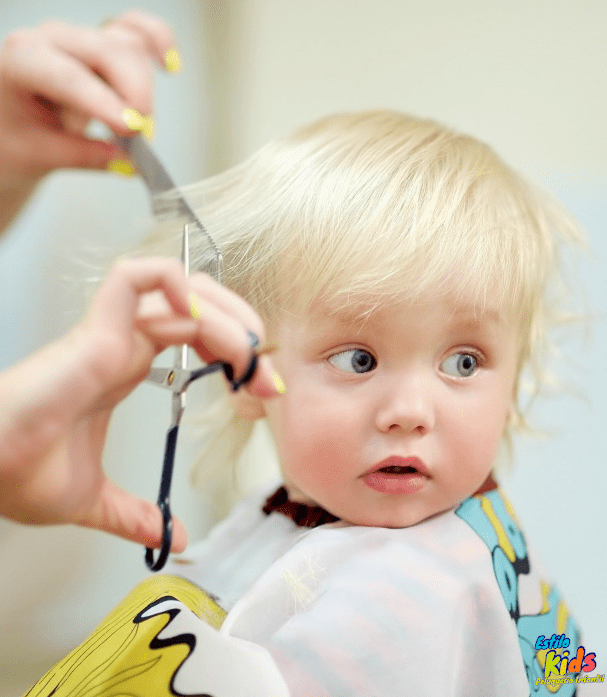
(527, 78)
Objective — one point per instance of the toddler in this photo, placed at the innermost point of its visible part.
(407, 276)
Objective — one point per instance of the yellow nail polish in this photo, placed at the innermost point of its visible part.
(137, 122)
(172, 60)
(148, 128)
(279, 383)
(123, 167)
(195, 310)
(133, 119)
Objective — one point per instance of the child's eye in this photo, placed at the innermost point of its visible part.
(460, 365)
(353, 361)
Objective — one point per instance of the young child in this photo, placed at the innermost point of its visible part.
(407, 276)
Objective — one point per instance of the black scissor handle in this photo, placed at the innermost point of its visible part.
(164, 493)
(251, 368)
(164, 504)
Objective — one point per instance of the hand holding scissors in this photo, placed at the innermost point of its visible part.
(58, 402)
(179, 377)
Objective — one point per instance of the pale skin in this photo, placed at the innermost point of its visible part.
(436, 383)
(56, 404)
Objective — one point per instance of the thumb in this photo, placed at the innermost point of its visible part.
(54, 149)
(120, 513)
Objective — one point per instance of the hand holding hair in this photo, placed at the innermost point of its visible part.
(56, 77)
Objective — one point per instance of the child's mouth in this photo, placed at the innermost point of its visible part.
(399, 475)
(397, 469)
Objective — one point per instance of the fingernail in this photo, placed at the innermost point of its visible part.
(279, 383)
(137, 122)
(172, 60)
(123, 167)
(195, 310)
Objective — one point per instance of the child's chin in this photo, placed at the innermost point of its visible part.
(394, 519)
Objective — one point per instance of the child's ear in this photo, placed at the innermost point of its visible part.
(248, 406)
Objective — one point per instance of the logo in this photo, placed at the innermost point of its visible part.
(561, 663)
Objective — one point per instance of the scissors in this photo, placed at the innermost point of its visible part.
(178, 378)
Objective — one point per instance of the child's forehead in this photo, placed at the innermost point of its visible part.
(455, 311)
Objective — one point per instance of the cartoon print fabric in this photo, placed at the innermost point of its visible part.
(162, 640)
(492, 517)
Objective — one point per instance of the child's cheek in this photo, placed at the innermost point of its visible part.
(473, 445)
(317, 442)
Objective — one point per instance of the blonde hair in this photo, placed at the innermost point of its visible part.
(357, 211)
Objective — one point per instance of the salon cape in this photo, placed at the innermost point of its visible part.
(264, 608)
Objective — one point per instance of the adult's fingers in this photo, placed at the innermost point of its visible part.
(172, 332)
(117, 301)
(46, 149)
(38, 68)
(120, 59)
(221, 336)
(122, 514)
(118, 353)
(95, 73)
(222, 307)
(227, 300)
(157, 34)
(224, 322)
(83, 70)
(216, 325)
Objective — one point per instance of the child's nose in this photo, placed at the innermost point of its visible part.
(406, 405)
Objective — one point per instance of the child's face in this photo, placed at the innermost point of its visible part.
(424, 391)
